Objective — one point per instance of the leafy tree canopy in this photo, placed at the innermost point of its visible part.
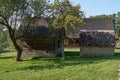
(118, 24)
(104, 16)
(118, 19)
(66, 15)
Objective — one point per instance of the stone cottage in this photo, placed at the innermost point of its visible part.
(38, 40)
(97, 37)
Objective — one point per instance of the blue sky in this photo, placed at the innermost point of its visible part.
(97, 7)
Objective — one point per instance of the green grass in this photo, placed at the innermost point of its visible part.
(118, 42)
(74, 68)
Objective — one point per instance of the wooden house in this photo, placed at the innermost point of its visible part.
(38, 39)
(97, 37)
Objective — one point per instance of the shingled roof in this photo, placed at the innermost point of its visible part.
(91, 24)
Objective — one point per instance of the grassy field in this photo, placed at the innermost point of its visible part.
(74, 68)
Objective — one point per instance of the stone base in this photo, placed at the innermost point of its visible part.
(36, 53)
(27, 54)
(96, 51)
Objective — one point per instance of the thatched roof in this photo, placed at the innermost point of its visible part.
(91, 24)
(95, 38)
(40, 32)
(98, 24)
(38, 28)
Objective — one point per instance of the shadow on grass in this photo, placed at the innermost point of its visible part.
(72, 53)
(72, 59)
(8, 57)
(42, 67)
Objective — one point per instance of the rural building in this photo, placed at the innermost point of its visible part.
(97, 37)
(38, 39)
(72, 38)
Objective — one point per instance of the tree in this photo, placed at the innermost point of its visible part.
(65, 16)
(0, 32)
(15, 12)
(0, 40)
(4, 41)
(104, 16)
(118, 23)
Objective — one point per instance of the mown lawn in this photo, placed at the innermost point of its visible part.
(74, 68)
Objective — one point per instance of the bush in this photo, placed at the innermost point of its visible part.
(4, 41)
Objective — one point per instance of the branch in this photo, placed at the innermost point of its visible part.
(29, 21)
(1, 22)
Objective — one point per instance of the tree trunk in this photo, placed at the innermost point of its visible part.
(19, 53)
(63, 36)
(17, 47)
(63, 54)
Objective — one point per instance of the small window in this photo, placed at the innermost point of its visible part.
(65, 41)
(71, 41)
(77, 41)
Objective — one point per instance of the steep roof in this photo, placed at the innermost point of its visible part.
(38, 28)
(91, 24)
(40, 32)
(94, 38)
(98, 24)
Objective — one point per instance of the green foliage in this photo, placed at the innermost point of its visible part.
(118, 23)
(118, 18)
(74, 68)
(16, 12)
(1, 46)
(4, 41)
(67, 15)
(13, 11)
